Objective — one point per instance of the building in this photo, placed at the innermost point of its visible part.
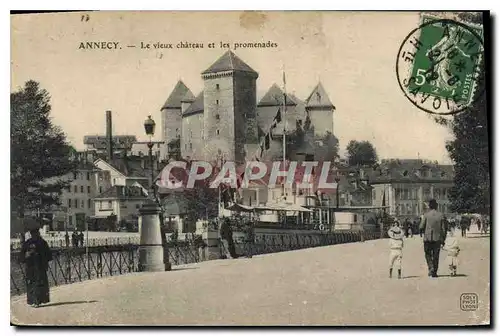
(405, 185)
(77, 200)
(121, 201)
(225, 120)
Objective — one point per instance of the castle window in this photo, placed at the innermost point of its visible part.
(217, 132)
(217, 87)
(217, 102)
(318, 96)
(217, 117)
(190, 146)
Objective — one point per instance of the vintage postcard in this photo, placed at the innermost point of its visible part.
(250, 168)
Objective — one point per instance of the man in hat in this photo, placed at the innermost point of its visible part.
(396, 245)
(434, 228)
(36, 254)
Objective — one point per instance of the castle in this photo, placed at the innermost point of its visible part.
(226, 121)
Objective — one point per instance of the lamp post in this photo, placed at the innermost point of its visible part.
(152, 256)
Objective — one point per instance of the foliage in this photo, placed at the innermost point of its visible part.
(469, 150)
(41, 155)
(470, 154)
(361, 153)
(303, 139)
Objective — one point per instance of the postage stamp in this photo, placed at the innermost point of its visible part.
(439, 65)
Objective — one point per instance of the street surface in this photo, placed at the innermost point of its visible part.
(335, 285)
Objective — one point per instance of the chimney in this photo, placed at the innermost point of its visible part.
(109, 136)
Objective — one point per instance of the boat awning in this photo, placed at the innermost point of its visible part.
(240, 208)
(283, 207)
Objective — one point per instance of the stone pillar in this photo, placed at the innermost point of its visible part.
(151, 254)
(213, 250)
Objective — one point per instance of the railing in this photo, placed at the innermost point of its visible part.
(56, 243)
(71, 265)
(273, 243)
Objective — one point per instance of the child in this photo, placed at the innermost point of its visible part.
(451, 246)
(396, 245)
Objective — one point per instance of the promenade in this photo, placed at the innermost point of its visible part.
(344, 284)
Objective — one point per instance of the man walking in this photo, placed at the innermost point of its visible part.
(434, 228)
(464, 224)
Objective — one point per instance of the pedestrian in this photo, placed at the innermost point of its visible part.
(478, 222)
(36, 254)
(226, 234)
(405, 228)
(66, 239)
(451, 246)
(249, 238)
(74, 239)
(434, 227)
(396, 246)
(464, 224)
(81, 238)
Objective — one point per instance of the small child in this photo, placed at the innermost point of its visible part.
(451, 246)
(396, 245)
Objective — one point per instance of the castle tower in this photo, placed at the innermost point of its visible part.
(192, 127)
(171, 115)
(320, 110)
(229, 117)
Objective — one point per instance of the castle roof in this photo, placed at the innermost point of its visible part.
(196, 107)
(229, 62)
(274, 97)
(188, 97)
(174, 100)
(319, 98)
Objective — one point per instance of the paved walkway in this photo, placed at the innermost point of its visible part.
(336, 285)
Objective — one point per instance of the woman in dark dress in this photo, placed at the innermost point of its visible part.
(36, 254)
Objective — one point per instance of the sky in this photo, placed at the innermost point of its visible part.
(353, 54)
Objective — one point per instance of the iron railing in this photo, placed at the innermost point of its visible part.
(71, 265)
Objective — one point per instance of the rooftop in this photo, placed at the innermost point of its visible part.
(319, 98)
(274, 97)
(196, 107)
(174, 100)
(229, 62)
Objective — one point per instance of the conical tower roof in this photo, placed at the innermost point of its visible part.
(229, 62)
(319, 98)
(174, 100)
(274, 97)
(196, 107)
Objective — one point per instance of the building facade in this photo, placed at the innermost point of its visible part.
(406, 185)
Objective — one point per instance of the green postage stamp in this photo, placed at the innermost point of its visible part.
(439, 65)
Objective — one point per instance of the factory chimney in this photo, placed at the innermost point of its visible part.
(109, 136)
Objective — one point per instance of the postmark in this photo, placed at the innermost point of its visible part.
(469, 302)
(439, 65)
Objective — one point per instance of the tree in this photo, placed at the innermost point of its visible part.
(469, 150)
(41, 156)
(361, 153)
(327, 149)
